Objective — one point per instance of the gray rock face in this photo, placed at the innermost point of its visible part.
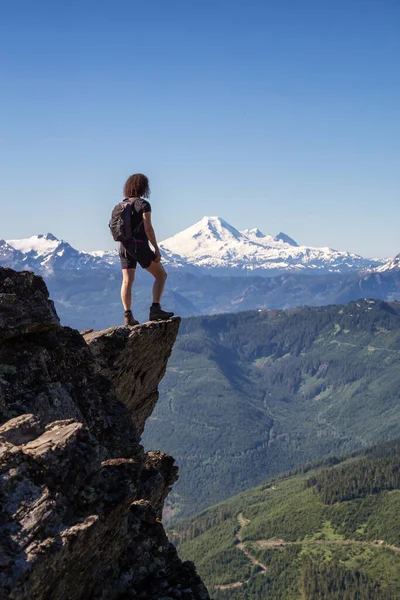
(148, 348)
(48, 370)
(80, 501)
(24, 305)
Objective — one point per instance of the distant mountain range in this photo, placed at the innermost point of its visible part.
(210, 246)
(48, 255)
(391, 265)
(214, 246)
(213, 268)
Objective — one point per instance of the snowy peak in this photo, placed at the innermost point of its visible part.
(48, 254)
(256, 234)
(37, 245)
(212, 244)
(6, 247)
(283, 237)
(253, 233)
(49, 237)
(208, 236)
(213, 228)
(10, 257)
(391, 265)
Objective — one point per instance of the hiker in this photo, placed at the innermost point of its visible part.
(131, 225)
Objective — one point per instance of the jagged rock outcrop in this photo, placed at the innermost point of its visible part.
(147, 348)
(48, 370)
(24, 305)
(80, 501)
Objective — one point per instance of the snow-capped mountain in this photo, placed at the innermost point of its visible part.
(257, 235)
(48, 254)
(391, 265)
(212, 244)
(109, 257)
(283, 237)
(37, 245)
(11, 257)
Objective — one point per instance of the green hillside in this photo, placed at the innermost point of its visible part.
(252, 394)
(328, 533)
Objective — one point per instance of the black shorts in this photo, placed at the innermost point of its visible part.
(137, 252)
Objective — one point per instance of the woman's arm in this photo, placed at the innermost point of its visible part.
(149, 230)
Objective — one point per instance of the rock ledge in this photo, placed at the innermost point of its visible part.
(80, 501)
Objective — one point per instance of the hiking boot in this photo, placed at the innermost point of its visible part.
(157, 314)
(129, 321)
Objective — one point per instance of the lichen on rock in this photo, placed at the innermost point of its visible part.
(80, 500)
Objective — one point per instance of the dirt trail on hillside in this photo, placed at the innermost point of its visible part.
(240, 546)
(227, 586)
(277, 543)
(362, 347)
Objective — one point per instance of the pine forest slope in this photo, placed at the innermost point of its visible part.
(252, 394)
(329, 532)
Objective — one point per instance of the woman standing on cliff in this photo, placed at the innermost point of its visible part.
(137, 250)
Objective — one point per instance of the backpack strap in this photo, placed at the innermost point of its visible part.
(127, 217)
(132, 202)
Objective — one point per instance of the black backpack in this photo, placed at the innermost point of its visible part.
(120, 223)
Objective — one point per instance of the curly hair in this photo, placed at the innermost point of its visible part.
(137, 186)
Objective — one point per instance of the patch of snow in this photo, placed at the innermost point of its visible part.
(253, 233)
(40, 244)
(392, 264)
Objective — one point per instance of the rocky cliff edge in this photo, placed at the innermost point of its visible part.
(80, 500)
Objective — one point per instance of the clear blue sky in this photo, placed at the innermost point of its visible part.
(280, 114)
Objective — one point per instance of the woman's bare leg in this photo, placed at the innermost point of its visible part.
(160, 277)
(128, 277)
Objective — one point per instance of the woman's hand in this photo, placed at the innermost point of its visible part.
(158, 255)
